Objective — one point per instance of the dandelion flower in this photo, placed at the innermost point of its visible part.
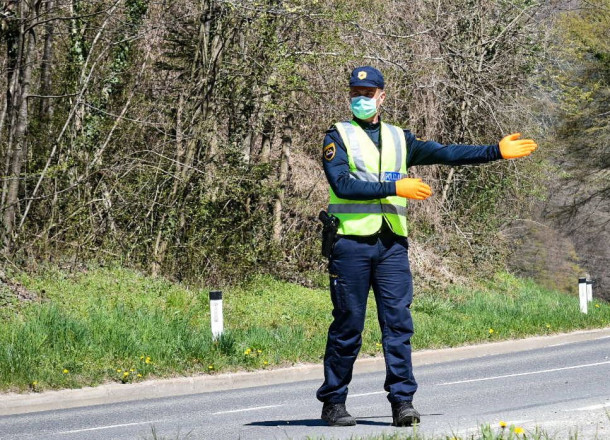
(34, 383)
(597, 305)
(147, 360)
(259, 351)
(139, 375)
(118, 370)
(502, 424)
(491, 330)
(548, 326)
(125, 374)
(377, 344)
(247, 352)
(210, 367)
(265, 363)
(519, 430)
(132, 370)
(66, 371)
(141, 358)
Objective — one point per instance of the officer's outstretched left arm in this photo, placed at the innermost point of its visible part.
(430, 152)
(511, 147)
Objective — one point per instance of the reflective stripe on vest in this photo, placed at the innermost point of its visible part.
(369, 164)
(357, 208)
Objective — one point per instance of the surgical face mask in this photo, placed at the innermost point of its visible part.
(363, 107)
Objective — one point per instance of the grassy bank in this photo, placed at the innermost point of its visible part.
(118, 325)
(485, 432)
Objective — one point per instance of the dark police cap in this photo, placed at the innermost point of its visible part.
(366, 76)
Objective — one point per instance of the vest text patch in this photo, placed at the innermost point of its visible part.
(389, 176)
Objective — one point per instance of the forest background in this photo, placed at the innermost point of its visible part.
(183, 137)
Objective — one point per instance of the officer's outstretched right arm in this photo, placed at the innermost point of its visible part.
(336, 168)
(413, 189)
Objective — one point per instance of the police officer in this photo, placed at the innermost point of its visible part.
(365, 161)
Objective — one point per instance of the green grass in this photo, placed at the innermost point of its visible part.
(114, 324)
(485, 433)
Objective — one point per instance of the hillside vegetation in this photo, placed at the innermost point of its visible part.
(183, 138)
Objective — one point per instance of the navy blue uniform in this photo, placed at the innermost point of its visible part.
(379, 261)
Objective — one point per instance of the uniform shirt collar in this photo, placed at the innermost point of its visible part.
(368, 125)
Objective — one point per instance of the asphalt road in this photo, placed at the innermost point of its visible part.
(561, 389)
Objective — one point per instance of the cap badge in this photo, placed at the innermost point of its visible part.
(362, 74)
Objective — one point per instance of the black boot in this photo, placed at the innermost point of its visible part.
(403, 414)
(336, 415)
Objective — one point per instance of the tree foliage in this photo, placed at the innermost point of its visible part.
(184, 137)
(581, 197)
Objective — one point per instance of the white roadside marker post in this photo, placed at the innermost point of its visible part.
(216, 314)
(589, 290)
(582, 294)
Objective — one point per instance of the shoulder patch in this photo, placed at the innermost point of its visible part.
(329, 151)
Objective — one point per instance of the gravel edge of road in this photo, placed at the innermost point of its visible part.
(13, 403)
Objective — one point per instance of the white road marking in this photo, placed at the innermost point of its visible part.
(525, 374)
(104, 427)
(366, 394)
(246, 409)
(591, 408)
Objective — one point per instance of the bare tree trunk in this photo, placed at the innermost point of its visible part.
(14, 48)
(79, 60)
(210, 47)
(161, 242)
(7, 161)
(203, 71)
(45, 109)
(265, 156)
(27, 47)
(4, 108)
(283, 177)
(464, 76)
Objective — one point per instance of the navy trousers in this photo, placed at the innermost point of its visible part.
(357, 264)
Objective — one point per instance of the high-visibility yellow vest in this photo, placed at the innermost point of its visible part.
(370, 164)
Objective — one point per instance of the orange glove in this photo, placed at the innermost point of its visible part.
(412, 189)
(512, 148)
